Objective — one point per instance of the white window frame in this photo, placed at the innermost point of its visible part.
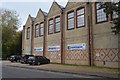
(70, 20)
(41, 29)
(80, 17)
(57, 24)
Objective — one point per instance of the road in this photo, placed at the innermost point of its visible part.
(0, 69)
(15, 72)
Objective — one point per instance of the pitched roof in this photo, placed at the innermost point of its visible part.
(60, 6)
(45, 13)
(33, 18)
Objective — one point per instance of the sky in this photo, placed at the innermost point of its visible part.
(24, 8)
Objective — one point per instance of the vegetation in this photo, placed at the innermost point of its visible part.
(109, 8)
(11, 38)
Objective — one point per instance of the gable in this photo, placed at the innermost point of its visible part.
(55, 9)
(71, 5)
(29, 21)
(40, 16)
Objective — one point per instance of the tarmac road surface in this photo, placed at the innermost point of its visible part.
(15, 72)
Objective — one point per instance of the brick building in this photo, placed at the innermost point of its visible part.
(27, 36)
(39, 33)
(79, 34)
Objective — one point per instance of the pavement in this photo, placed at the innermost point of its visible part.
(71, 69)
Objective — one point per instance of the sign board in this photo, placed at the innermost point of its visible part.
(38, 49)
(76, 46)
(53, 48)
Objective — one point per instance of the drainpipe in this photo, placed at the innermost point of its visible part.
(62, 40)
(90, 38)
(44, 35)
(23, 37)
(32, 40)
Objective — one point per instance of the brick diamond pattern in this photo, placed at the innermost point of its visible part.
(54, 55)
(76, 55)
(107, 54)
(39, 53)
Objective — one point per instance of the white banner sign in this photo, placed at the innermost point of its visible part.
(53, 48)
(76, 46)
(38, 49)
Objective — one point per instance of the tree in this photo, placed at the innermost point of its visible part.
(9, 18)
(11, 39)
(110, 8)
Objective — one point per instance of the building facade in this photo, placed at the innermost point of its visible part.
(53, 40)
(27, 36)
(79, 34)
(39, 33)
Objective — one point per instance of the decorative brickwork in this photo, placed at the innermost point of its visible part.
(76, 57)
(39, 53)
(54, 56)
(106, 54)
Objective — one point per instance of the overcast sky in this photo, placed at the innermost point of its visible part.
(24, 8)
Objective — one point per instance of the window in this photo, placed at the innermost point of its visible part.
(36, 30)
(70, 21)
(80, 17)
(57, 24)
(50, 26)
(41, 29)
(100, 14)
(28, 33)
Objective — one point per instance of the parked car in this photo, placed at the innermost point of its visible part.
(24, 58)
(37, 60)
(15, 58)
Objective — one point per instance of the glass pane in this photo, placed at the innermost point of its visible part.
(101, 15)
(37, 30)
(80, 11)
(80, 21)
(70, 15)
(28, 33)
(57, 27)
(51, 22)
(71, 23)
(97, 5)
(57, 24)
(57, 19)
(41, 29)
(50, 28)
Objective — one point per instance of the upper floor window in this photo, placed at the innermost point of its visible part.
(41, 29)
(70, 21)
(50, 26)
(57, 24)
(36, 30)
(28, 33)
(80, 17)
(100, 14)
